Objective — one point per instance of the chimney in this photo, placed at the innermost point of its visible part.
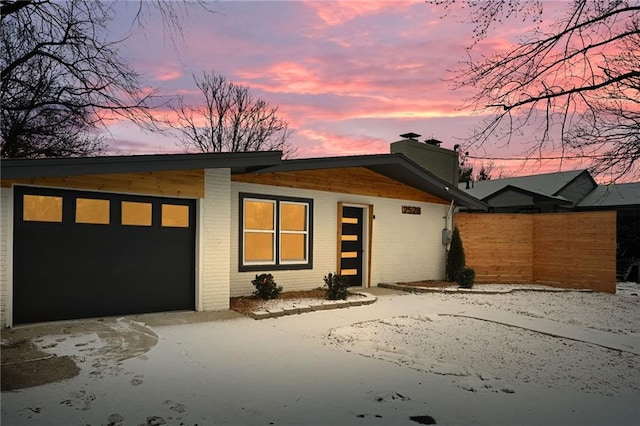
(411, 136)
(428, 154)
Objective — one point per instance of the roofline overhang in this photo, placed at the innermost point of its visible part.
(238, 162)
(395, 166)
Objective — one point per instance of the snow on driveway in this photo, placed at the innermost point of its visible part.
(403, 357)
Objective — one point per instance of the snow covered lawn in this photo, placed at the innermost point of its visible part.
(406, 356)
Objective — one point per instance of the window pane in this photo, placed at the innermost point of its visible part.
(136, 213)
(92, 211)
(42, 208)
(175, 216)
(293, 247)
(293, 217)
(349, 254)
(258, 247)
(258, 215)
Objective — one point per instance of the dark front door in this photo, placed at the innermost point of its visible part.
(84, 254)
(351, 244)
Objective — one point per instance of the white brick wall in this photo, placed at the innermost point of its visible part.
(215, 235)
(6, 260)
(404, 247)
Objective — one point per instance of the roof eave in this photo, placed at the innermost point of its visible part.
(396, 166)
(51, 167)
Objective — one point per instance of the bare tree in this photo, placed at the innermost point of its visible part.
(485, 171)
(581, 76)
(230, 119)
(62, 78)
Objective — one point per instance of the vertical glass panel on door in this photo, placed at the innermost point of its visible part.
(135, 213)
(89, 210)
(41, 208)
(175, 216)
(259, 214)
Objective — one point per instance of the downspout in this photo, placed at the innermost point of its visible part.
(446, 221)
(446, 234)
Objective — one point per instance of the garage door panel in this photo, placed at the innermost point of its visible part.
(69, 270)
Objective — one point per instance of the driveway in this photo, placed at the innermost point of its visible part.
(341, 367)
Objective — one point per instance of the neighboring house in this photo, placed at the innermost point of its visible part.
(544, 193)
(569, 191)
(87, 237)
(624, 198)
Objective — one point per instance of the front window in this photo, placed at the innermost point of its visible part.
(275, 232)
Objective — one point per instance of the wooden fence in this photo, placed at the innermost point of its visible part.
(571, 250)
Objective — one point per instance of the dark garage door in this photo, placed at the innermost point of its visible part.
(86, 254)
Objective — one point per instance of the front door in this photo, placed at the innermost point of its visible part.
(352, 244)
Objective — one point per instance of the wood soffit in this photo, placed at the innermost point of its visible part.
(352, 180)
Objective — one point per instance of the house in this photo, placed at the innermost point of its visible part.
(574, 190)
(624, 198)
(543, 193)
(88, 237)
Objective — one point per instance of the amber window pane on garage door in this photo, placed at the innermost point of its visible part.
(134, 213)
(175, 216)
(89, 210)
(42, 208)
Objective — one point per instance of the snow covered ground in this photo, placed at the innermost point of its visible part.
(406, 356)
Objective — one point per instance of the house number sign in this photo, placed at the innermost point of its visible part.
(410, 210)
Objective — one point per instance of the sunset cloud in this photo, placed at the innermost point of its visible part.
(167, 75)
(348, 78)
(333, 14)
(341, 144)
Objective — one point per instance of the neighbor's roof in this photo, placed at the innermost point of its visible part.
(238, 162)
(395, 166)
(548, 184)
(622, 194)
(539, 196)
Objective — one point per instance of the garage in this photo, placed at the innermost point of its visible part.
(82, 254)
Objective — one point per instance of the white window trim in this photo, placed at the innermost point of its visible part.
(259, 231)
(305, 233)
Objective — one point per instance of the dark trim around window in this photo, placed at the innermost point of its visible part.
(277, 266)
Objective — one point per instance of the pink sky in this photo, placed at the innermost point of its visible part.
(348, 76)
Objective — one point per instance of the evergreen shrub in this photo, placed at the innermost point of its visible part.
(337, 286)
(266, 287)
(455, 259)
(465, 277)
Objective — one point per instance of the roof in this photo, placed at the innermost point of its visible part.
(558, 200)
(395, 166)
(614, 195)
(548, 184)
(238, 162)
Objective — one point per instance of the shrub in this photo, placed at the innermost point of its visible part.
(266, 287)
(337, 286)
(465, 277)
(455, 258)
